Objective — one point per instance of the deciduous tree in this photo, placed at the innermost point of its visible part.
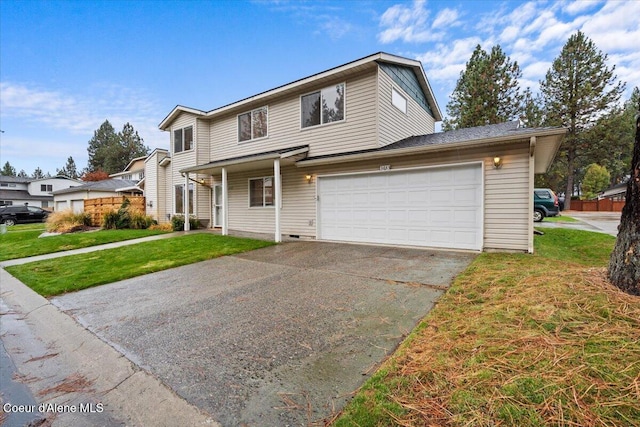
(577, 90)
(596, 179)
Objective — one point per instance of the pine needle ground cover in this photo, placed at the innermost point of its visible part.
(76, 272)
(518, 340)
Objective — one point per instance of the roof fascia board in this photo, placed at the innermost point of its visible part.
(429, 148)
(164, 124)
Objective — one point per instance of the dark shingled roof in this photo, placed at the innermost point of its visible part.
(501, 130)
(105, 185)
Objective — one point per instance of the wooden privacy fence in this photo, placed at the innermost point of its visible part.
(602, 205)
(97, 207)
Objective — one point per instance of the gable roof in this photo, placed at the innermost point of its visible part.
(104, 185)
(342, 70)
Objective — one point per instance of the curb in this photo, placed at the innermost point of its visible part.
(81, 380)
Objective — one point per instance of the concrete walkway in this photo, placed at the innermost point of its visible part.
(601, 222)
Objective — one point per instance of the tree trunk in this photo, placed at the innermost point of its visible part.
(624, 266)
(571, 156)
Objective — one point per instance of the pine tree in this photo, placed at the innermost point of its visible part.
(111, 152)
(624, 265)
(8, 170)
(103, 143)
(38, 174)
(69, 170)
(487, 91)
(577, 89)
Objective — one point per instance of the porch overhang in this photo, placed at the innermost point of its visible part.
(252, 161)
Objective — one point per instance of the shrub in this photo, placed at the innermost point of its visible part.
(138, 220)
(110, 220)
(167, 226)
(177, 222)
(67, 221)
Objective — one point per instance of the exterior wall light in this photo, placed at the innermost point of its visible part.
(497, 162)
(308, 178)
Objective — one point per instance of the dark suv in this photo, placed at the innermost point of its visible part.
(11, 215)
(545, 203)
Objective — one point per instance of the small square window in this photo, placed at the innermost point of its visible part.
(399, 101)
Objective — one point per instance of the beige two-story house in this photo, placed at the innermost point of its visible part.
(350, 154)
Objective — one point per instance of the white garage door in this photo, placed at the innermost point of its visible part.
(436, 207)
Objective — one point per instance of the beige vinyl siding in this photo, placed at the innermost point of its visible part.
(506, 204)
(151, 186)
(394, 124)
(356, 132)
(182, 159)
(507, 214)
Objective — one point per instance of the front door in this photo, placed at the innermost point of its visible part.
(217, 205)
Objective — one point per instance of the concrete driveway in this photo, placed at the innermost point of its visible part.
(278, 336)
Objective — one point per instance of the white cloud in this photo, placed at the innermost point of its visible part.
(578, 6)
(77, 114)
(409, 24)
(445, 18)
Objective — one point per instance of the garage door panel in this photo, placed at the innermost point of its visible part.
(439, 207)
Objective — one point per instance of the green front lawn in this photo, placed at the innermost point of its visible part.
(75, 272)
(560, 218)
(518, 340)
(23, 241)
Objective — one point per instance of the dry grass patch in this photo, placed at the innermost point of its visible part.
(518, 340)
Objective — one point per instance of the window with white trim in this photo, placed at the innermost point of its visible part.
(322, 107)
(261, 192)
(46, 187)
(179, 199)
(398, 101)
(253, 125)
(183, 139)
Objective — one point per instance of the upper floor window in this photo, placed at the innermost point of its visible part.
(399, 101)
(183, 139)
(322, 107)
(46, 187)
(252, 125)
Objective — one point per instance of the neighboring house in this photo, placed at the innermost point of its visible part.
(616, 193)
(32, 192)
(335, 156)
(73, 198)
(133, 171)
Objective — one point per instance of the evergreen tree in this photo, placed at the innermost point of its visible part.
(577, 89)
(487, 91)
(8, 170)
(111, 152)
(22, 174)
(101, 146)
(38, 174)
(69, 170)
(610, 141)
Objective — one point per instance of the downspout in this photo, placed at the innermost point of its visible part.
(532, 165)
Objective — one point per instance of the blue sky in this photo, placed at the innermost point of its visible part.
(66, 66)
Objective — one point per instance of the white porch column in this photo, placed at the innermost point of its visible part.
(277, 197)
(185, 202)
(225, 202)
